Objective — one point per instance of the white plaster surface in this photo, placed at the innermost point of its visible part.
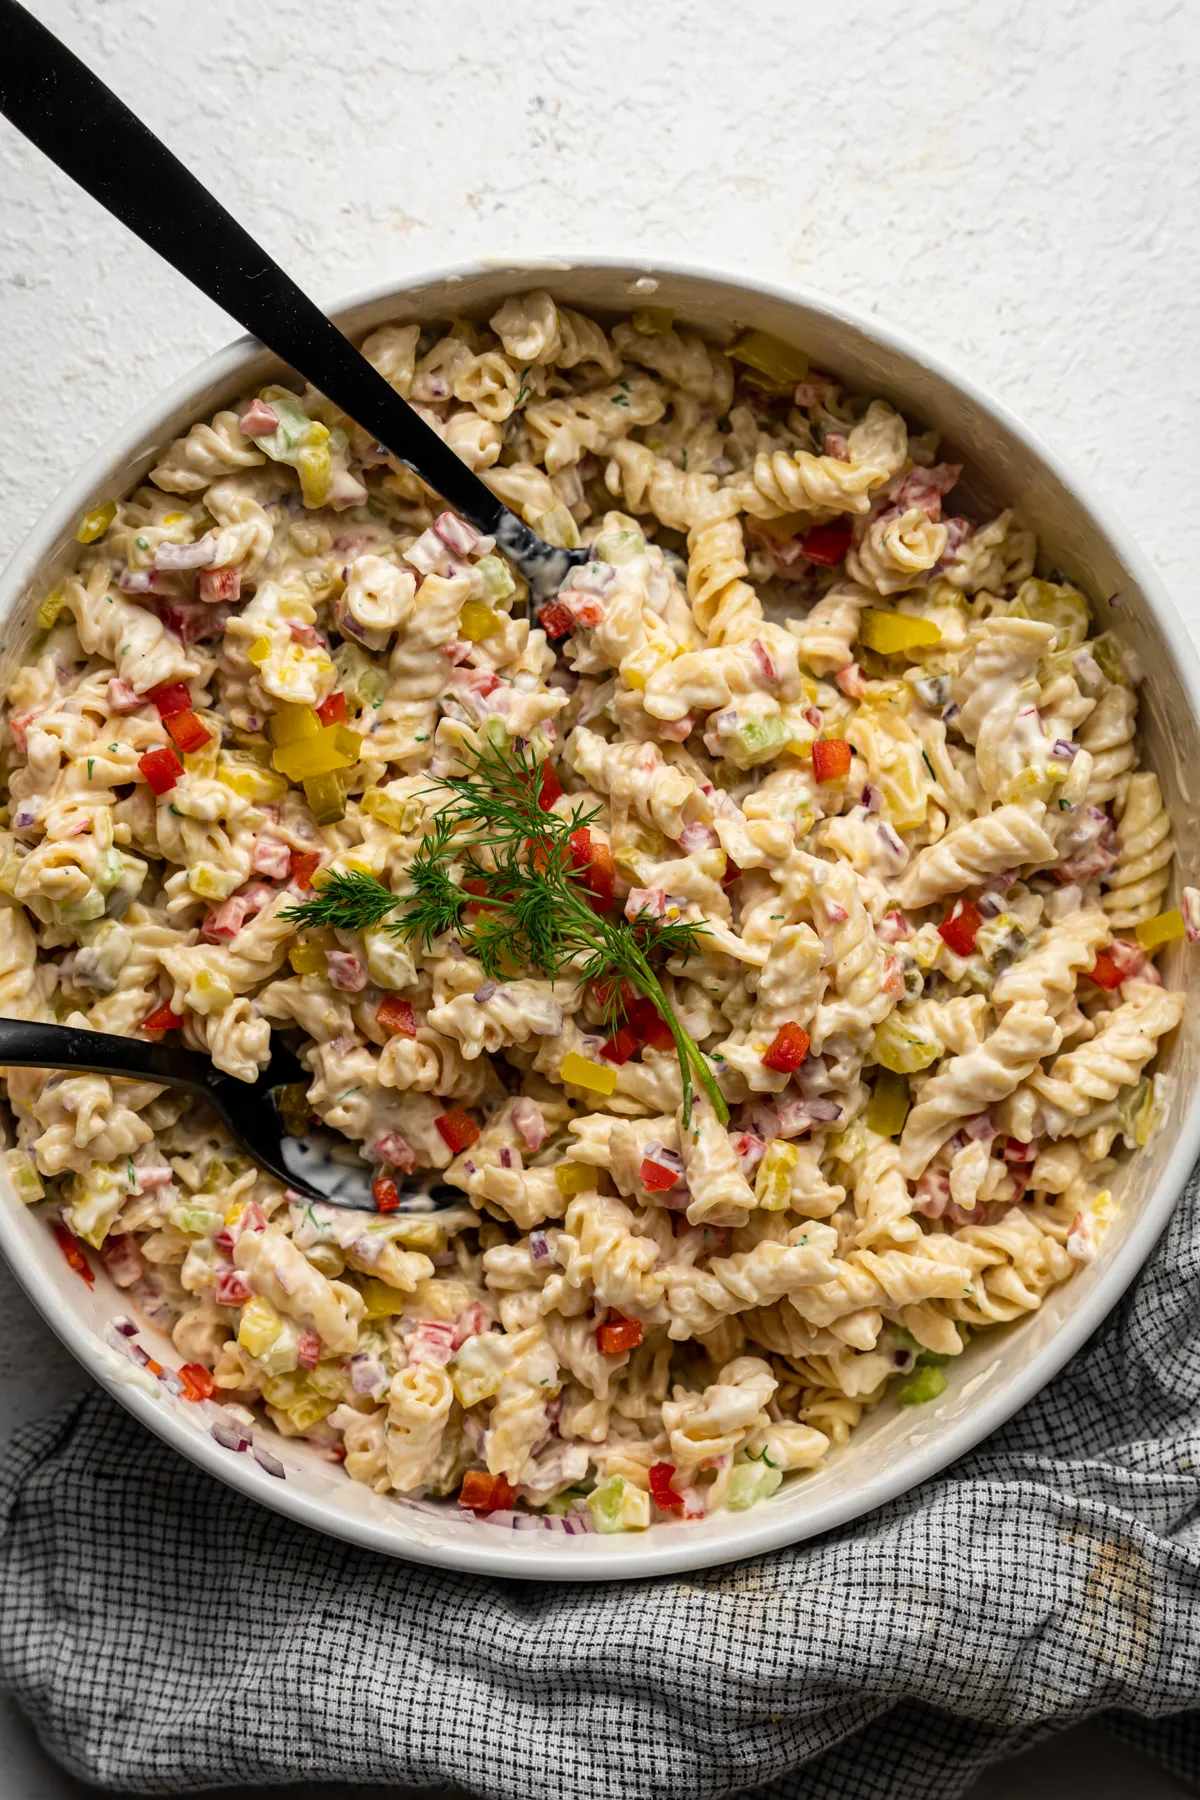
(1014, 181)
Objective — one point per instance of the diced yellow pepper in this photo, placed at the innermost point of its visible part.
(307, 959)
(94, 524)
(212, 883)
(260, 786)
(382, 1301)
(333, 747)
(1152, 934)
(289, 724)
(259, 651)
(582, 1072)
(650, 320)
(901, 1048)
(888, 1105)
(773, 1183)
(259, 1326)
(327, 798)
(637, 668)
(574, 1178)
(889, 633)
(48, 611)
(777, 365)
(478, 622)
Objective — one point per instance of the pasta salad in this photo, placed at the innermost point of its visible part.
(760, 940)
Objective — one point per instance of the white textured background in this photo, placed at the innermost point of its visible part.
(1018, 183)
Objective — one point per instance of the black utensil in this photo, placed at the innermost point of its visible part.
(80, 124)
(247, 1109)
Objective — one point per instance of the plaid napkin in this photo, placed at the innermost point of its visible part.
(166, 1635)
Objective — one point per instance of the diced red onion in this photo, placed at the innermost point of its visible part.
(669, 1159)
(462, 538)
(484, 992)
(367, 1375)
(125, 1325)
(872, 799)
(903, 1359)
(527, 1117)
(697, 837)
(187, 556)
(120, 697)
(230, 1437)
(980, 1128)
(1063, 750)
(345, 971)
(990, 905)
(539, 1247)
(270, 1463)
(258, 420)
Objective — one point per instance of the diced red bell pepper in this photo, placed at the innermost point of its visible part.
(220, 584)
(333, 710)
(187, 731)
(618, 1334)
(68, 1243)
(304, 866)
(550, 788)
(198, 1383)
(732, 873)
(163, 1019)
(396, 1016)
(162, 769)
(555, 620)
(621, 1046)
(170, 697)
(831, 759)
(387, 1198)
(661, 1492)
(1015, 1151)
(959, 929)
(600, 876)
(655, 1177)
(650, 1025)
(826, 544)
(308, 1348)
(458, 1131)
(787, 1049)
(581, 847)
(481, 1492)
(1105, 972)
(604, 992)
(231, 1288)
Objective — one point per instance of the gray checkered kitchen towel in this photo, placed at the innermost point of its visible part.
(166, 1635)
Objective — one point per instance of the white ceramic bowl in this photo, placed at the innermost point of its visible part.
(894, 1449)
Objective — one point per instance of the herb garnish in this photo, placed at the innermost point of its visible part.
(534, 905)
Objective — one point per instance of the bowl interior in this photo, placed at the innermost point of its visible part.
(893, 1448)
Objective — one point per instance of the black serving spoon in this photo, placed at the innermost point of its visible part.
(79, 123)
(60, 106)
(249, 1110)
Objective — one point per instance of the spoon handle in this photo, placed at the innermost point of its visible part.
(28, 1045)
(81, 125)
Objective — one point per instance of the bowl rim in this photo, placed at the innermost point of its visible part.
(627, 1556)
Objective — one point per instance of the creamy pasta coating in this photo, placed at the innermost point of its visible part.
(886, 770)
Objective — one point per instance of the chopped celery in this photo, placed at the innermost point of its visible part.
(889, 633)
(924, 1384)
(496, 576)
(773, 364)
(194, 1221)
(754, 741)
(622, 545)
(616, 1505)
(750, 1483)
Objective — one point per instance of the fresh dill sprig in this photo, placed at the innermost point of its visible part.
(524, 871)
